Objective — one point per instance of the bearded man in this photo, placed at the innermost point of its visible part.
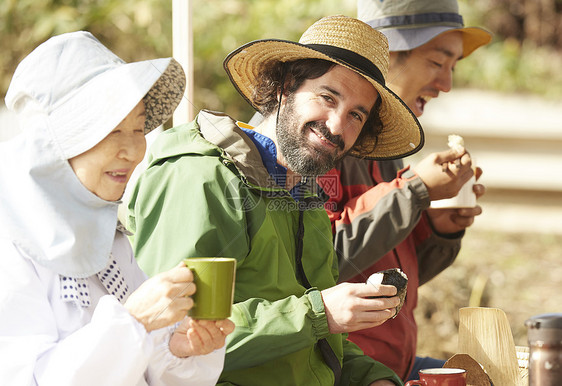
(218, 187)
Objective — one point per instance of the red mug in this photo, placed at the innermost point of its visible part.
(440, 377)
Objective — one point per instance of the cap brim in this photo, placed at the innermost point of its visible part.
(405, 39)
(474, 37)
(402, 134)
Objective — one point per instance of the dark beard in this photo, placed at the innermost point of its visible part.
(301, 157)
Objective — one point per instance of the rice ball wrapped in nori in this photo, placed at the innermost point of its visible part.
(395, 277)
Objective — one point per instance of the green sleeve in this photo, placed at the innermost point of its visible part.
(192, 206)
(185, 207)
(361, 370)
(290, 324)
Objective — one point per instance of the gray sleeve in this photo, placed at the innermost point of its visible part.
(394, 214)
(437, 253)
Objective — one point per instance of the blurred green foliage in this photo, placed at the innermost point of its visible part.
(133, 29)
(525, 55)
(142, 29)
(220, 26)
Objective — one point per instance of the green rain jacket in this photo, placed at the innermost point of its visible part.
(207, 193)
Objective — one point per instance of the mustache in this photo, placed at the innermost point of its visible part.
(325, 132)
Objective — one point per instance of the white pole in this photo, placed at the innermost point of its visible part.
(182, 37)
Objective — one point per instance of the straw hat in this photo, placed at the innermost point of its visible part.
(84, 90)
(411, 23)
(352, 44)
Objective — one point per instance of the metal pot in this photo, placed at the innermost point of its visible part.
(544, 333)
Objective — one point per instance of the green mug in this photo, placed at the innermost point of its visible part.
(214, 279)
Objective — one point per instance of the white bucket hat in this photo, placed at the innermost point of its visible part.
(81, 86)
(411, 23)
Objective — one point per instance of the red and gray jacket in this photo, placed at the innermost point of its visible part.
(378, 222)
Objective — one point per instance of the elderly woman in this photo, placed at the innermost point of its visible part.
(75, 307)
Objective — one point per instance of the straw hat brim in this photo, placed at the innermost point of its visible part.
(402, 134)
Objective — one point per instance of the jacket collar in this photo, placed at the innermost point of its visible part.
(217, 134)
(222, 131)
